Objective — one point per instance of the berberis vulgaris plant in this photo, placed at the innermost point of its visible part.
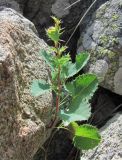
(72, 97)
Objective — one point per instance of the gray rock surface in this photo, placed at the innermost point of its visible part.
(58, 8)
(103, 39)
(111, 144)
(23, 118)
(11, 4)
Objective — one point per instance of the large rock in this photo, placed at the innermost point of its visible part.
(111, 145)
(103, 38)
(23, 118)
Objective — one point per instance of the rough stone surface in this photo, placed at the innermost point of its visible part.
(22, 117)
(111, 145)
(10, 4)
(103, 38)
(100, 68)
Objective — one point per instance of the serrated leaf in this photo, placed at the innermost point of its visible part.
(53, 49)
(53, 33)
(56, 20)
(39, 87)
(77, 111)
(86, 137)
(48, 58)
(62, 49)
(84, 86)
(70, 69)
(62, 60)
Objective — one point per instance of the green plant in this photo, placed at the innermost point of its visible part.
(79, 91)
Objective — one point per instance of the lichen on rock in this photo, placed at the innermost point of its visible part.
(102, 38)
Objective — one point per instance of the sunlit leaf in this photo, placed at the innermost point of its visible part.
(53, 33)
(56, 20)
(62, 49)
(86, 137)
(62, 60)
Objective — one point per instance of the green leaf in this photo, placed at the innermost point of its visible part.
(77, 111)
(71, 69)
(73, 127)
(53, 49)
(48, 58)
(84, 86)
(56, 20)
(53, 33)
(62, 60)
(39, 87)
(86, 137)
(62, 49)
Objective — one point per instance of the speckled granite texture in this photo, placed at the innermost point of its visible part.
(22, 117)
(103, 39)
(111, 144)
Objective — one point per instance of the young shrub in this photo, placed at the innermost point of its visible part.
(79, 91)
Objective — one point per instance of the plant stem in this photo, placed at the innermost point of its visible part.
(56, 46)
(59, 90)
(57, 104)
(58, 81)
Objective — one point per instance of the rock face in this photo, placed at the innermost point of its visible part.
(103, 38)
(22, 117)
(111, 145)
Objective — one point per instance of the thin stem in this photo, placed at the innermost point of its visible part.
(57, 104)
(72, 4)
(81, 20)
(58, 87)
(56, 46)
(70, 154)
(45, 154)
(58, 94)
(59, 81)
(64, 129)
(53, 134)
(76, 156)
